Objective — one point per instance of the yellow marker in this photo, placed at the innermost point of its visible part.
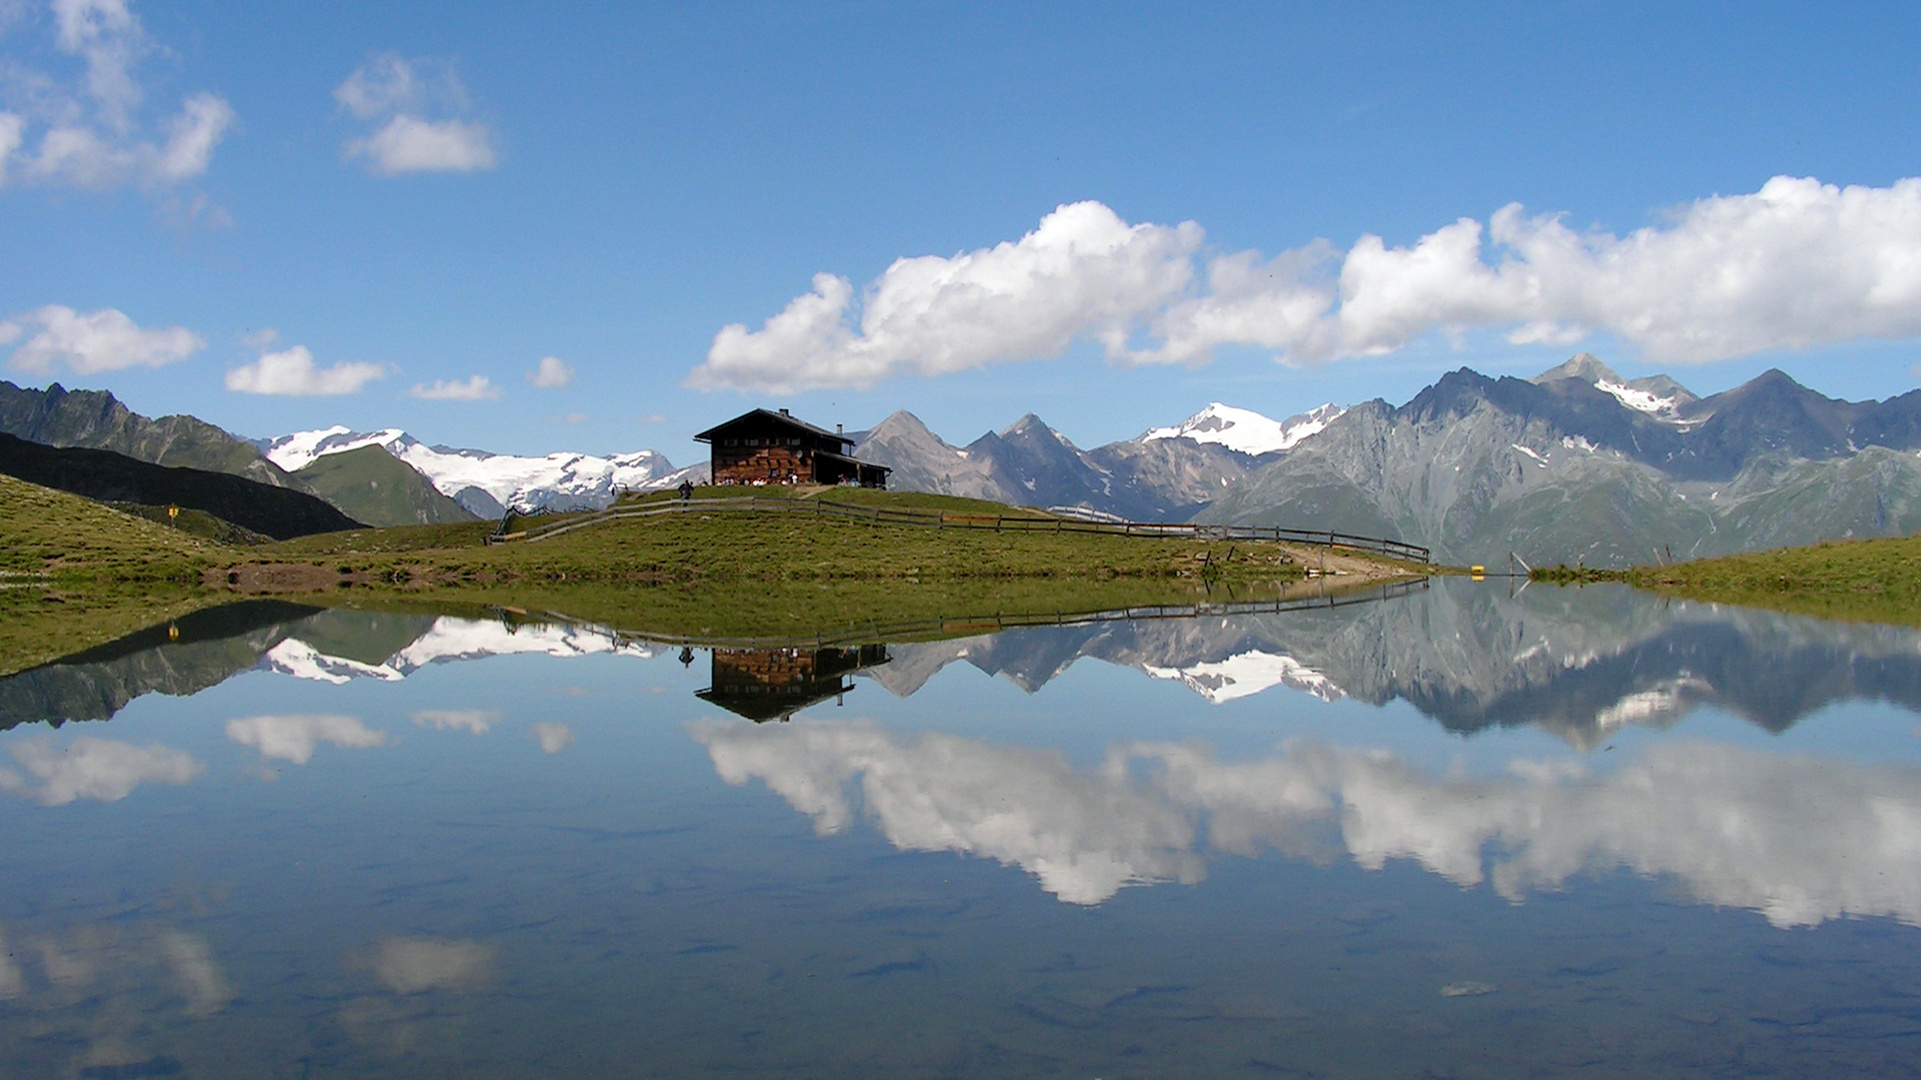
(1477, 573)
(173, 633)
(173, 511)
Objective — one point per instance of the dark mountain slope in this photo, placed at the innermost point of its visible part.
(105, 476)
(97, 420)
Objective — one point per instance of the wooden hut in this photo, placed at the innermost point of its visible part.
(762, 447)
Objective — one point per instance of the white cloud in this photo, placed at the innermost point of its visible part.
(294, 738)
(476, 721)
(551, 373)
(423, 105)
(103, 770)
(552, 737)
(1799, 839)
(89, 133)
(385, 83)
(104, 340)
(292, 373)
(476, 388)
(410, 144)
(1795, 265)
(1083, 273)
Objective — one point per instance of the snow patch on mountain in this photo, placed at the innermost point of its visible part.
(559, 481)
(1641, 400)
(1245, 431)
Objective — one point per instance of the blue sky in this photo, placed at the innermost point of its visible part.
(410, 196)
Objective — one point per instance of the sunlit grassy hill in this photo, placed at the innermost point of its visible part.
(43, 531)
(1862, 580)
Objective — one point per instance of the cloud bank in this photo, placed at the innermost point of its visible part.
(1799, 839)
(87, 344)
(1795, 265)
(293, 373)
(88, 130)
(399, 95)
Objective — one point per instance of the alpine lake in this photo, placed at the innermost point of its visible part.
(1446, 829)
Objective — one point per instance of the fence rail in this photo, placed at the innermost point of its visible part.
(938, 519)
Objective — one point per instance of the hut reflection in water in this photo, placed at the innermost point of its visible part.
(774, 684)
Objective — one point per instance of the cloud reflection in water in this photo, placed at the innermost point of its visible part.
(294, 738)
(1799, 839)
(104, 770)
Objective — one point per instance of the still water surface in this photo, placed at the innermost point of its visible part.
(1452, 833)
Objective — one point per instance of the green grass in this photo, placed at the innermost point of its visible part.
(196, 523)
(69, 538)
(1852, 580)
(736, 546)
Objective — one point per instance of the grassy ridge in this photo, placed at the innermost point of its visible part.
(1854, 580)
(734, 546)
(43, 531)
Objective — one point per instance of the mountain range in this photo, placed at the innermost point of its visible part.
(1580, 465)
(1577, 465)
(486, 484)
(1164, 474)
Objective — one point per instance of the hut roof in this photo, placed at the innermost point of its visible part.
(782, 418)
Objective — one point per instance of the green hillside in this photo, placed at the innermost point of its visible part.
(43, 531)
(1856, 580)
(371, 485)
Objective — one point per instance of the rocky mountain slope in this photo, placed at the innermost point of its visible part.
(487, 484)
(1165, 474)
(1579, 464)
(96, 420)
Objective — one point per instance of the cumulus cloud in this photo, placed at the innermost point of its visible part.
(1796, 264)
(476, 388)
(551, 373)
(1083, 273)
(418, 108)
(295, 738)
(474, 721)
(293, 373)
(90, 343)
(104, 770)
(1799, 839)
(552, 737)
(89, 129)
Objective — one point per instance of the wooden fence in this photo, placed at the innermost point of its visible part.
(937, 519)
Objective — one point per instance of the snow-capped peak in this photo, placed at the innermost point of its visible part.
(558, 481)
(303, 448)
(1246, 431)
(1638, 400)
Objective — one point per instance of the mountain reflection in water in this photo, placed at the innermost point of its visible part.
(1578, 662)
(1209, 854)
